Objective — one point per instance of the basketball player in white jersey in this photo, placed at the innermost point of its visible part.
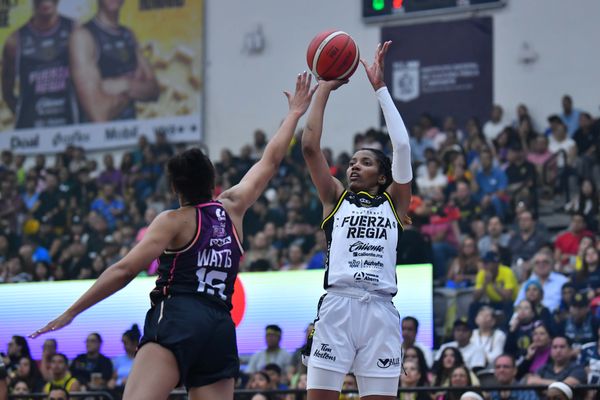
(357, 327)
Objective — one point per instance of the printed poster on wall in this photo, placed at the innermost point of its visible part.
(442, 68)
(99, 73)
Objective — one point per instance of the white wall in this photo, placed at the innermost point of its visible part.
(244, 92)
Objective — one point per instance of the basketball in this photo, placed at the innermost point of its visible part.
(332, 55)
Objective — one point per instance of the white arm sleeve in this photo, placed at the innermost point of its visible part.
(401, 167)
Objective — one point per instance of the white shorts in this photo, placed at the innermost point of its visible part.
(357, 335)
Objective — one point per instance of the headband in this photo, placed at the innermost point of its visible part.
(563, 387)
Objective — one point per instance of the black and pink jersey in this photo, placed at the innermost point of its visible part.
(209, 264)
(46, 94)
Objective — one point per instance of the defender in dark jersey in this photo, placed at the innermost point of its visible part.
(357, 327)
(109, 70)
(37, 55)
(189, 336)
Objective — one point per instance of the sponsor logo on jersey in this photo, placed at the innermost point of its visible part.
(364, 226)
(219, 231)
(325, 352)
(362, 276)
(362, 249)
(215, 258)
(354, 264)
(220, 213)
(364, 201)
(220, 242)
(373, 264)
(388, 362)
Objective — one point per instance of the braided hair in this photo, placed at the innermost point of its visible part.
(385, 167)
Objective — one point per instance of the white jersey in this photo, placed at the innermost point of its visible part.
(362, 238)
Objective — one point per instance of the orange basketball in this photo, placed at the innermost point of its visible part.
(332, 55)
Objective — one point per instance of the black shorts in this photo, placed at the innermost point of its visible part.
(200, 334)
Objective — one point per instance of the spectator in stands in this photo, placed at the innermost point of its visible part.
(588, 276)
(415, 354)
(58, 394)
(412, 378)
(61, 377)
(18, 386)
(410, 329)
(316, 258)
(561, 145)
(495, 125)
(85, 366)
(566, 244)
(27, 370)
(110, 175)
(295, 258)
(17, 348)
(570, 116)
(296, 366)
(522, 177)
(487, 335)
(551, 281)
(586, 139)
(259, 380)
(261, 256)
(534, 293)
(162, 149)
(561, 368)
(495, 285)
(49, 349)
(463, 269)
(432, 180)
(275, 374)
(11, 203)
(50, 206)
(559, 391)
(109, 205)
(418, 145)
(469, 208)
(272, 354)
(505, 372)
(449, 358)
(580, 326)
(472, 353)
(492, 183)
(567, 293)
(586, 203)
(590, 360)
(459, 377)
(495, 239)
(538, 352)
(521, 326)
(539, 153)
(122, 364)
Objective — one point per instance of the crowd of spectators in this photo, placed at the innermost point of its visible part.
(479, 195)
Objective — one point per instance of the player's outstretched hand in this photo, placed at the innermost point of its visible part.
(300, 100)
(375, 70)
(60, 322)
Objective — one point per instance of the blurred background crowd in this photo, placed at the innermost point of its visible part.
(506, 211)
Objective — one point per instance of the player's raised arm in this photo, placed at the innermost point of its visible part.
(101, 101)
(400, 188)
(241, 196)
(157, 238)
(328, 187)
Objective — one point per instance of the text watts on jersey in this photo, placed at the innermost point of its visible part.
(214, 258)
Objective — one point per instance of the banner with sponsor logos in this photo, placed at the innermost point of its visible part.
(441, 68)
(99, 73)
(288, 299)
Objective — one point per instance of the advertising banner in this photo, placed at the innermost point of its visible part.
(441, 68)
(288, 299)
(99, 74)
